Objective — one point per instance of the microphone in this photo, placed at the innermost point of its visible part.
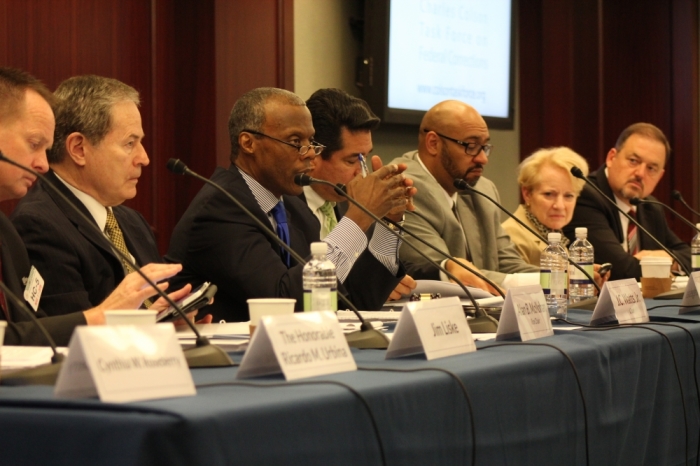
(306, 180)
(367, 336)
(679, 197)
(579, 174)
(203, 354)
(635, 201)
(303, 178)
(44, 374)
(463, 185)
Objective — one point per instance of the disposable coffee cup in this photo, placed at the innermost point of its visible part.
(656, 276)
(260, 307)
(131, 317)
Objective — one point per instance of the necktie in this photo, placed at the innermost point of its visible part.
(115, 235)
(329, 220)
(280, 216)
(632, 237)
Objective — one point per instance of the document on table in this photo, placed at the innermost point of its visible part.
(22, 357)
(233, 336)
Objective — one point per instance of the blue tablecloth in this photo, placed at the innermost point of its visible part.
(526, 408)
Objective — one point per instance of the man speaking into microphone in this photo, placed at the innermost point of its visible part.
(272, 140)
(632, 169)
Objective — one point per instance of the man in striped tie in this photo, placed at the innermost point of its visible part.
(632, 169)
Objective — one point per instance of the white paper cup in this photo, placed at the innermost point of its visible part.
(3, 324)
(259, 307)
(131, 317)
(656, 267)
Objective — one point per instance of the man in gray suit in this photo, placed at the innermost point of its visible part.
(453, 142)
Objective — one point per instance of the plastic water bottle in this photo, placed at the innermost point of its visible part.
(553, 275)
(695, 251)
(320, 282)
(581, 252)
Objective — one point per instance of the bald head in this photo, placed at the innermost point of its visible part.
(446, 129)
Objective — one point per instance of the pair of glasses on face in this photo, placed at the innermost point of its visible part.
(471, 148)
(303, 150)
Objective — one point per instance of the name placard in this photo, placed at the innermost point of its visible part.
(437, 328)
(524, 315)
(299, 345)
(690, 297)
(621, 300)
(124, 363)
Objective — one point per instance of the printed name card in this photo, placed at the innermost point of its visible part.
(124, 363)
(437, 328)
(524, 314)
(621, 300)
(299, 345)
(690, 297)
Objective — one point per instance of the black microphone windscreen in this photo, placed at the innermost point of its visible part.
(676, 195)
(342, 187)
(177, 166)
(302, 179)
(636, 201)
(460, 184)
(577, 172)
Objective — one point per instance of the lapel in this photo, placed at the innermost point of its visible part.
(87, 228)
(602, 181)
(15, 264)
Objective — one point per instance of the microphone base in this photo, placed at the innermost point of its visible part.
(586, 304)
(673, 294)
(367, 339)
(207, 356)
(41, 375)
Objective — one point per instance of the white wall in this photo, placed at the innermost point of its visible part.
(324, 56)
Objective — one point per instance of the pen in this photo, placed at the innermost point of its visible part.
(363, 164)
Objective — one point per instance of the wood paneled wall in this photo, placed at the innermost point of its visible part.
(590, 68)
(190, 60)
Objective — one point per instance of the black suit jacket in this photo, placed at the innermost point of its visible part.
(216, 241)
(605, 229)
(15, 267)
(72, 256)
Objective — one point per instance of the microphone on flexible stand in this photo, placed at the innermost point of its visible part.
(635, 201)
(305, 180)
(204, 354)
(588, 303)
(367, 336)
(579, 174)
(679, 197)
(45, 374)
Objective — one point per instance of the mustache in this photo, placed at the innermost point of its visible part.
(475, 167)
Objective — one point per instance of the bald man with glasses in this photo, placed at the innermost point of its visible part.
(272, 140)
(633, 168)
(454, 142)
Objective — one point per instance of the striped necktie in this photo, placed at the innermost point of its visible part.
(329, 220)
(280, 216)
(632, 236)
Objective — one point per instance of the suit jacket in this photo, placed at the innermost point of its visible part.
(528, 245)
(72, 256)
(15, 267)
(605, 229)
(423, 271)
(490, 247)
(216, 241)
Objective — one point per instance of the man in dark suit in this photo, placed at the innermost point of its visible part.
(26, 132)
(272, 140)
(632, 169)
(96, 161)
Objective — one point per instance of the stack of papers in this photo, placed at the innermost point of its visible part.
(23, 357)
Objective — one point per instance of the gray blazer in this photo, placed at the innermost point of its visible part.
(490, 247)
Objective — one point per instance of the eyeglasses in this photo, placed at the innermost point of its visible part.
(471, 148)
(315, 147)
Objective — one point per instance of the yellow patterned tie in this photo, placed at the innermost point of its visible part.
(115, 235)
(329, 221)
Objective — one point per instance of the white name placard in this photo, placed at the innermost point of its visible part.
(437, 328)
(690, 297)
(299, 345)
(621, 300)
(524, 314)
(124, 363)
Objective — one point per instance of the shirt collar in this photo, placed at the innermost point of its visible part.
(96, 209)
(266, 200)
(313, 199)
(620, 203)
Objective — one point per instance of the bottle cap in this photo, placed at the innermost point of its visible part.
(554, 236)
(319, 248)
(581, 231)
(697, 225)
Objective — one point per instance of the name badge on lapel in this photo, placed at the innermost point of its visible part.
(33, 288)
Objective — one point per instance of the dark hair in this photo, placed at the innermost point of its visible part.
(14, 84)
(333, 109)
(643, 129)
(85, 106)
(249, 112)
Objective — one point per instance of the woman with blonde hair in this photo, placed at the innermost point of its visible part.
(549, 191)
